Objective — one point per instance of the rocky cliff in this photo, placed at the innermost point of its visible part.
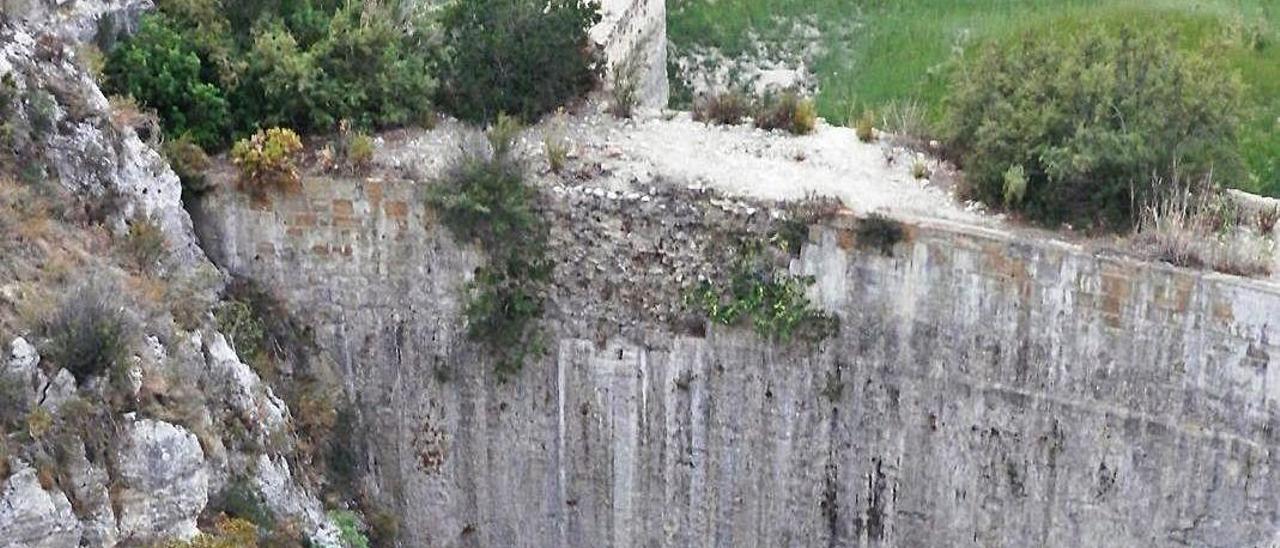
(985, 388)
(141, 454)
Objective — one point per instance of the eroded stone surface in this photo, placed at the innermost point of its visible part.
(983, 389)
(164, 484)
(32, 517)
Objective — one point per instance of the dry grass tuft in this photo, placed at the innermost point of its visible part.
(1195, 227)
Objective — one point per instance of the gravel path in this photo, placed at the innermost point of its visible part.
(770, 165)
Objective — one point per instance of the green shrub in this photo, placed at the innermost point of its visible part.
(351, 151)
(243, 328)
(224, 68)
(1015, 185)
(375, 74)
(521, 57)
(159, 68)
(267, 160)
(88, 334)
(762, 292)
(1090, 118)
(42, 109)
(350, 528)
(484, 198)
(240, 499)
(727, 108)
(189, 162)
(787, 112)
(624, 89)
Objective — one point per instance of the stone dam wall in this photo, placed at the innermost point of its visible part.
(982, 390)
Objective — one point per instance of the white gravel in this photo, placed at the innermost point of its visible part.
(770, 165)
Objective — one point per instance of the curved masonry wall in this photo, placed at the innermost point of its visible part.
(982, 391)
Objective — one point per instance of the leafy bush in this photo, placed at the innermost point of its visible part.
(788, 112)
(1090, 118)
(485, 198)
(243, 328)
(520, 57)
(89, 333)
(268, 160)
(246, 64)
(189, 162)
(375, 73)
(765, 294)
(158, 67)
(727, 108)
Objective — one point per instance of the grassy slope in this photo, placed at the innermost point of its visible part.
(879, 51)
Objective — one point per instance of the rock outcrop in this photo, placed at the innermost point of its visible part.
(164, 485)
(34, 517)
(68, 136)
(199, 416)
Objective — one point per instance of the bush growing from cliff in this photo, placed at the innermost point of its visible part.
(160, 68)
(145, 244)
(520, 57)
(484, 198)
(1090, 119)
(89, 333)
(268, 160)
(350, 528)
(879, 233)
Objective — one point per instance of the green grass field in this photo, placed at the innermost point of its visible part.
(881, 51)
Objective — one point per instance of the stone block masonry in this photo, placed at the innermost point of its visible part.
(983, 390)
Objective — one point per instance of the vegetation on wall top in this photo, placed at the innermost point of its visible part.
(1088, 121)
(518, 57)
(893, 57)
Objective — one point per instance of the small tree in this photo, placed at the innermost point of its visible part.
(1086, 120)
(521, 57)
(160, 69)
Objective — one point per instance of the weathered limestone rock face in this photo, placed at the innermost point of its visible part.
(164, 484)
(32, 517)
(635, 31)
(983, 390)
(68, 131)
(78, 20)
